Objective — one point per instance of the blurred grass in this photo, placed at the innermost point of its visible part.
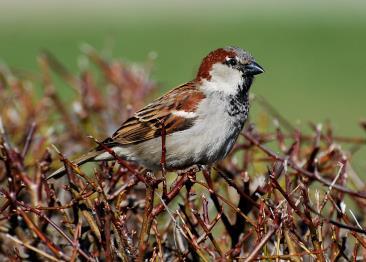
(315, 61)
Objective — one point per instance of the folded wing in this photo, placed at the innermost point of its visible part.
(175, 111)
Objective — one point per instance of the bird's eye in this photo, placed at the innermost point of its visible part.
(232, 61)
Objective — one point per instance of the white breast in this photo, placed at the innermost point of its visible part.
(212, 136)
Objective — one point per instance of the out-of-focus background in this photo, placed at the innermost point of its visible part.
(313, 51)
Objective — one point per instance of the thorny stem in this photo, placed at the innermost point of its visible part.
(264, 240)
(147, 218)
(208, 232)
(28, 139)
(171, 195)
(42, 253)
(303, 171)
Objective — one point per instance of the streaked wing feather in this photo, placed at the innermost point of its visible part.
(147, 123)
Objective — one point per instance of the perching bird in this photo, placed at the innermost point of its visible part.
(202, 119)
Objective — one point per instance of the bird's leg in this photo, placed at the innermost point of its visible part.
(163, 159)
(191, 169)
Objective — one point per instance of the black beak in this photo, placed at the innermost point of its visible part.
(253, 69)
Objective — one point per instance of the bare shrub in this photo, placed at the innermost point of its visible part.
(280, 195)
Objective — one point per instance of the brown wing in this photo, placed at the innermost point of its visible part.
(147, 123)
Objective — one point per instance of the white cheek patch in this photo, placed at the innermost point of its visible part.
(224, 79)
(184, 114)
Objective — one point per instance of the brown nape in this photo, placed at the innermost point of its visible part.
(214, 57)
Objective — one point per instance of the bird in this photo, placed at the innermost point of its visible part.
(200, 120)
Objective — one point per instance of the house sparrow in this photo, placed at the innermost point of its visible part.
(202, 119)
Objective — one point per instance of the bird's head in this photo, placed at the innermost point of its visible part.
(227, 69)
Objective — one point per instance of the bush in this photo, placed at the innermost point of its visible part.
(303, 203)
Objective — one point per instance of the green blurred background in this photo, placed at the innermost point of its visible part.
(313, 51)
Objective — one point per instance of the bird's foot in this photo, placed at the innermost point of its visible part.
(151, 180)
(192, 170)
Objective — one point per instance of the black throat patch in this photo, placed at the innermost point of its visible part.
(239, 103)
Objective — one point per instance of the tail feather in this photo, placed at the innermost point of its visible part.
(79, 161)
